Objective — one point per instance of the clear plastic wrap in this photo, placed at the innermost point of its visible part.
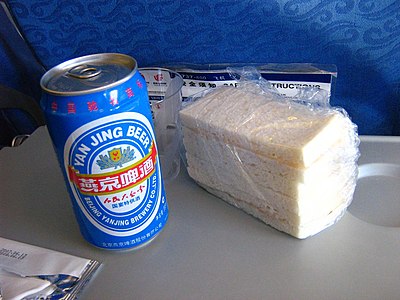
(292, 163)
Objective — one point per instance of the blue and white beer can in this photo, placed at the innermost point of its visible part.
(98, 115)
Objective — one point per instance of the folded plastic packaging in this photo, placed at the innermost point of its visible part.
(31, 272)
(291, 163)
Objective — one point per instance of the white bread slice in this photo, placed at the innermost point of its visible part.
(307, 206)
(292, 134)
(268, 172)
(272, 218)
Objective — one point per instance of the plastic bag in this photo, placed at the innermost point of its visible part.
(292, 163)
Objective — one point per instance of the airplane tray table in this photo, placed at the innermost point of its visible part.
(211, 250)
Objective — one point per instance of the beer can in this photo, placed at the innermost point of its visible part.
(98, 115)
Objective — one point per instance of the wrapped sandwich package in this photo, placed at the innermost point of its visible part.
(290, 163)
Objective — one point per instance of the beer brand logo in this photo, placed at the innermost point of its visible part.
(116, 158)
(115, 154)
(113, 171)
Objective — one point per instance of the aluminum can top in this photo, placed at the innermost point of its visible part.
(88, 74)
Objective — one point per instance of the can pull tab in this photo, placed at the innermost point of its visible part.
(84, 72)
